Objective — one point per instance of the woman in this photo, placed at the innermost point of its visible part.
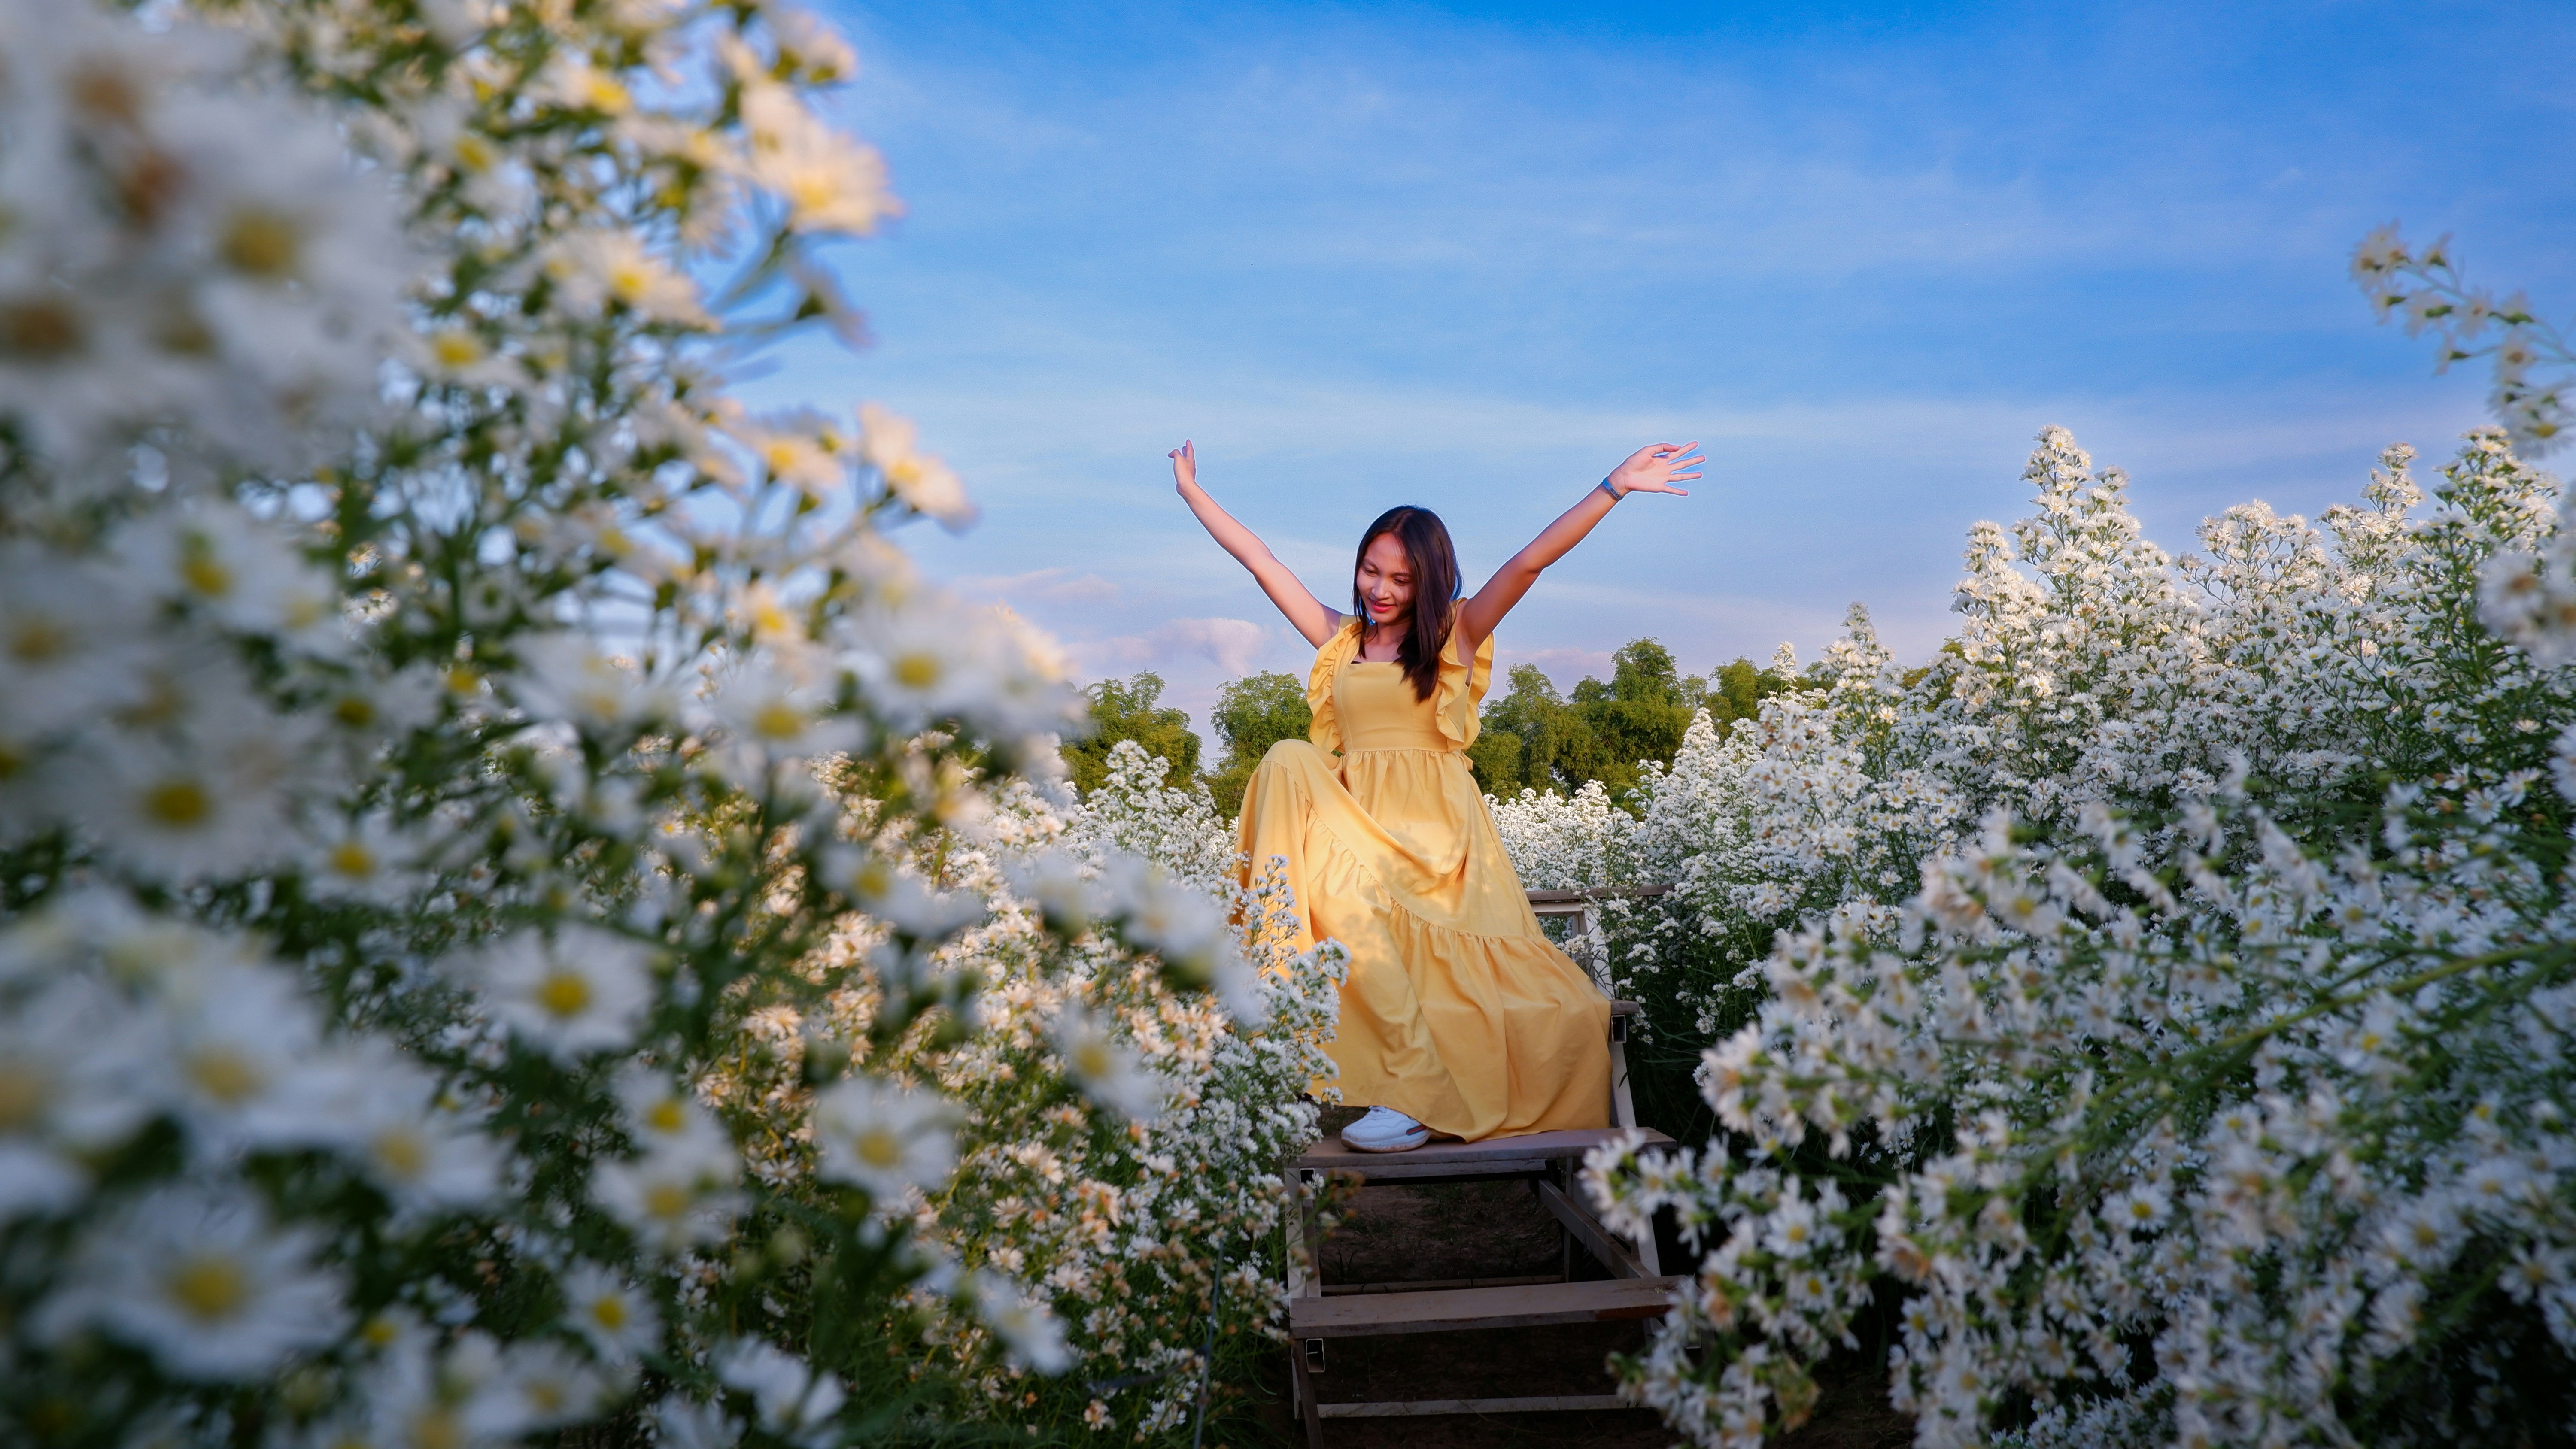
(1459, 1018)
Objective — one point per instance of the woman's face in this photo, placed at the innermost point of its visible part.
(1386, 581)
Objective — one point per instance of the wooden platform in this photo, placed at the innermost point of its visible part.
(1366, 1315)
(1549, 1162)
(1534, 1155)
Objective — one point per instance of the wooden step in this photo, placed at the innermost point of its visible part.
(1455, 1309)
(1553, 1403)
(1527, 1155)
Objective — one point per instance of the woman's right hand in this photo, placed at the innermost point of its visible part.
(1185, 468)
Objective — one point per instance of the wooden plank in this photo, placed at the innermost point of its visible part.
(1596, 1239)
(1332, 1155)
(1425, 1285)
(1408, 1408)
(1301, 1387)
(1458, 1309)
(1596, 893)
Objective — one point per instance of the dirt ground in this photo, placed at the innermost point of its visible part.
(1491, 1230)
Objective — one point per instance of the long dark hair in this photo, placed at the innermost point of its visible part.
(1434, 566)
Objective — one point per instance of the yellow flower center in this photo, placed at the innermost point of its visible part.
(200, 570)
(879, 1148)
(180, 804)
(39, 640)
(307, 610)
(22, 1097)
(225, 1075)
(564, 993)
(261, 243)
(1092, 1059)
(456, 347)
(668, 1200)
(39, 329)
(402, 1152)
(629, 281)
(665, 1115)
(475, 152)
(609, 1312)
(208, 1287)
(917, 670)
(438, 1429)
(354, 710)
(603, 93)
(778, 720)
(353, 859)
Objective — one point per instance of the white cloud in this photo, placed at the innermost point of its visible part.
(1562, 666)
(1229, 644)
(1053, 586)
(1232, 645)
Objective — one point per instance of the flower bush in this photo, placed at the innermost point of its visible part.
(1113, 1144)
(2149, 1016)
(453, 756)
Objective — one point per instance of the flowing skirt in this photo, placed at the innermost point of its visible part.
(1458, 1012)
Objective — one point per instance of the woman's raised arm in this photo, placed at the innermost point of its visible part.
(1654, 468)
(1306, 613)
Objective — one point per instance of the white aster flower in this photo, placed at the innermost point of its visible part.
(594, 269)
(239, 569)
(72, 1066)
(682, 1423)
(537, 1386)
(573, 992)
(236, 1040)
(377, 1108)
(890, 1140)
(72, 639)
(213, 802)
(679, 1194)
(565, 677)
(200, 1279)
(1108, 1070)
(610, 1313)
(363, 859)
(793, 1398)
(830, 182)
(774, 718)
(1032, 1336)
(887, 443)
(899, 897)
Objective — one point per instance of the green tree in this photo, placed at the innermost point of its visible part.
(1534, 736)
(1251, 715)
(1132, 709)
(1552, 741)
(1639, 714)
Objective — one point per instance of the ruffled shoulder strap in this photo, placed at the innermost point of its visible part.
(1326, 731)
(1462, 688)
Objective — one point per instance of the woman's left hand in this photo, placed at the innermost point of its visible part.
(1655, 468)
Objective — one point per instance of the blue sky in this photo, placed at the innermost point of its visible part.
(1470, 256)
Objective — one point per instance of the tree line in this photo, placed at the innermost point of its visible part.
(1533, 736)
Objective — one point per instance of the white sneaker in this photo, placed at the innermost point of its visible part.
(1385, 1129)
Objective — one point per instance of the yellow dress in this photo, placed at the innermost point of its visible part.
(1458, 1011)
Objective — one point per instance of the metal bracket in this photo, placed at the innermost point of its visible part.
(1314, 1355)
